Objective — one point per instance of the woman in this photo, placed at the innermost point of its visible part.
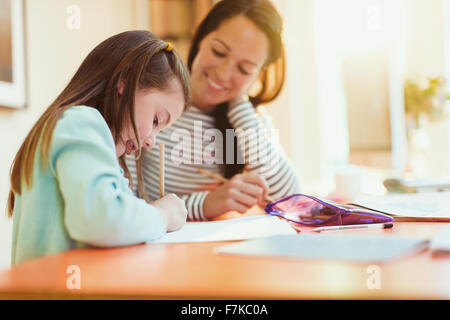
(237, 45)
(68, 188)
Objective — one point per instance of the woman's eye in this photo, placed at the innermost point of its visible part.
(155, 121)
(218, 54)
(243, 71)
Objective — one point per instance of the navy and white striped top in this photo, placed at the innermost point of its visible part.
(193, 142)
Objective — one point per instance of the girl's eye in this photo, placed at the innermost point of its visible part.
(155, 121)
(217, 53)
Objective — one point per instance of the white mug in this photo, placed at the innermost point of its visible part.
(348, 181)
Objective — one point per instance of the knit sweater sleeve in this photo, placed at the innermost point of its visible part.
(100, 209)
(194, 205)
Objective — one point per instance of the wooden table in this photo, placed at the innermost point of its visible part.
(193, 270)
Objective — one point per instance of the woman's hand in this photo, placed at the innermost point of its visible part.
(173, 211)
(238, 99)
(239, 194)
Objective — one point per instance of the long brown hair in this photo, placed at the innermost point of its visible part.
(136, 60)
(272, 76)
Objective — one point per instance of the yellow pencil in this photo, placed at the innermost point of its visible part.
(212, 175)
(222, 179)
(161, 170)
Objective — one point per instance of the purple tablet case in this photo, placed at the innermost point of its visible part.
(313, 211)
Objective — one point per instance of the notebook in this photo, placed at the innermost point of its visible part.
(228, 230)
(359, 248)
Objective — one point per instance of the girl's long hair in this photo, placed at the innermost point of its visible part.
(271, 78)
(136, 60)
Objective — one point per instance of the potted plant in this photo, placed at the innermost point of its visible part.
(425, 98)
(425, 103)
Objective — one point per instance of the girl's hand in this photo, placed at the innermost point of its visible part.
(173, 211)
(239, 194)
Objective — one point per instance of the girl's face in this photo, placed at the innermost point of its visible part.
(228, 61)
(154, 110)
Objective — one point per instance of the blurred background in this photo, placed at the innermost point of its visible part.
(366, 79)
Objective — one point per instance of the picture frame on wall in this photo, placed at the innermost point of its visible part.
(12, 54)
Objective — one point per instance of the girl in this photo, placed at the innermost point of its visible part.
(67, 184)
(236, 45)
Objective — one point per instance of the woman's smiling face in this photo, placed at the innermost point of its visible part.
(228, 62)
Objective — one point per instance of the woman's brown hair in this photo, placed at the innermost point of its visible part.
(136, 60)
(271, 79)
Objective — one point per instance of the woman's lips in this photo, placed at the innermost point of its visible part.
(214, 85)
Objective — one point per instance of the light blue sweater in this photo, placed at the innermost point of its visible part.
(81, 197)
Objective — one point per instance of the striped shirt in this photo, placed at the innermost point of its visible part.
(193, 142)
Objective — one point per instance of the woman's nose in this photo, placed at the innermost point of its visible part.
(225, 71)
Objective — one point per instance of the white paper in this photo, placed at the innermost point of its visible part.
(428, 204)
(329, 247)
(228, 230)
(441, 242)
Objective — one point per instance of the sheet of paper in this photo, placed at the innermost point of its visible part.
(441, 242)
(227, 230)
(330, 247)
(427, 204)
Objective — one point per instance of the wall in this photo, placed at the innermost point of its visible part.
(425, 37)
(310, 113)
(295, 112)
(53, 53)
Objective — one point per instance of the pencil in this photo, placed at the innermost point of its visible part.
(161, 170)
(354, 227)
(222, 179)
(212, 175)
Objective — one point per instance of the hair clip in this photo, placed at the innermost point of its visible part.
(169, 47)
